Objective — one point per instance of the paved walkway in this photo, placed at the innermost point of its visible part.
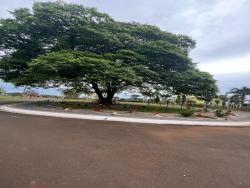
(16, 109)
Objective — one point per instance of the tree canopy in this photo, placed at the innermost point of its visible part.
(57, 43)
(239, 94)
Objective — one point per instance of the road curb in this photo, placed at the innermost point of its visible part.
(11, 109)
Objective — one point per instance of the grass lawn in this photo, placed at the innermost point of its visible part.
(8, 98)
(120, 106)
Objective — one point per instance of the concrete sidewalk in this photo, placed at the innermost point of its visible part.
(12, 109)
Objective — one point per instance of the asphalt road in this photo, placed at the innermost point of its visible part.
(64, 153)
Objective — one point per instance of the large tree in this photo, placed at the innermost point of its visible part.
(57, 44)
(240, 94)
(85, 71)
(196, 83)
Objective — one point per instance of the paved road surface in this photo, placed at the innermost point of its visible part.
(64, 153)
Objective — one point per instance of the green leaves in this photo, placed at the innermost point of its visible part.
(85, 66)
(57, 43)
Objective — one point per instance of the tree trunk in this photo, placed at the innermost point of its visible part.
(183, 100)
(243, 100)
(167, 106)
(148, 102)
(108, 100)
(104, 100)
(205, 106)
(97, 91)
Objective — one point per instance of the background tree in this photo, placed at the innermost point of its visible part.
(183, 100)
(2, 91)
(217, 102)
(166, 98)
(71, 93)
(224, 100)
(205, 88)
(196, 83)
(148, 92)
(239, 94)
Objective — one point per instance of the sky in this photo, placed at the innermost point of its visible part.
(220, 28)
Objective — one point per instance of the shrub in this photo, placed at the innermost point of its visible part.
(228, 112)
(220, 113)
(186, 113)
(205, 110)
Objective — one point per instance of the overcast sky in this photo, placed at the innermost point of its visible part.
(220, 28)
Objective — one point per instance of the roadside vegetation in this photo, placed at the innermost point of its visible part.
(120, 106)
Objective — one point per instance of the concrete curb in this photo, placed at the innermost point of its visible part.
(11, 109)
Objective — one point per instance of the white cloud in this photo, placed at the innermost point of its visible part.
(226, 66)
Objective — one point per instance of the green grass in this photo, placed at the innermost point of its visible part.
(121, 106)
(7, 98)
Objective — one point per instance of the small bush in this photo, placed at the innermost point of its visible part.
(186, 113)
(219, 113)
(205, 110)
(228, 112)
